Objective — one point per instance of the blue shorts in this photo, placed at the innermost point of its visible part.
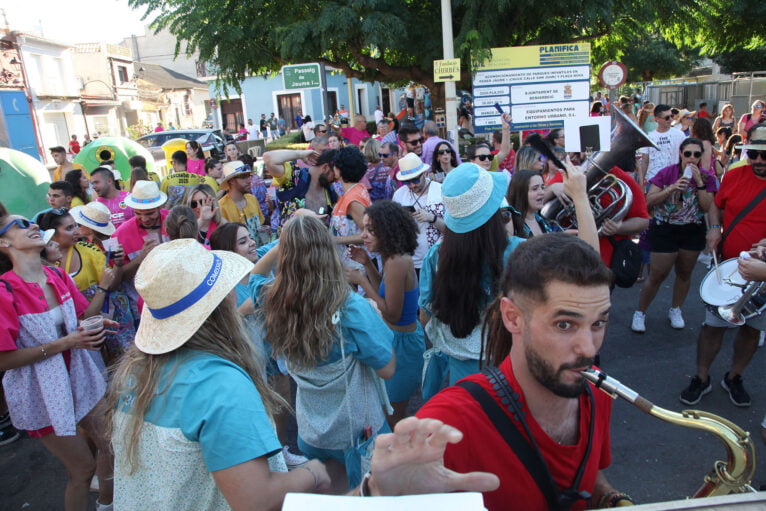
(338, 455)
(409, 348)
(459, 369)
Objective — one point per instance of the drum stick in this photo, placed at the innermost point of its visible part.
(717, 271)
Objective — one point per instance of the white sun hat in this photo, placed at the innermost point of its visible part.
(146, 195)
(94, 215)
(410, 167)
(181, 283)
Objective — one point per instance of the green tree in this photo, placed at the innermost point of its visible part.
(396, 41)
(742, 59)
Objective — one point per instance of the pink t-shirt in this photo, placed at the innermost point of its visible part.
(196, 167)
(131, 236)
(120, 212)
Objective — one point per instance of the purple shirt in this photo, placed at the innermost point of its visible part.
(119, 211)
(684, 209)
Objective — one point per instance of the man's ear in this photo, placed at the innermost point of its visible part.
(513, 316)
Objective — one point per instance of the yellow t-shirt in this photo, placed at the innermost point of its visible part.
(92, 262)
(76, 201)
(57, 173)
(177, 184)
(232, 213)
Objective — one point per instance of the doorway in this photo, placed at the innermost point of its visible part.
(288, 106)
(385, 101)
(231, 114)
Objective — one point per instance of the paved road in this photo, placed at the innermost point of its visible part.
(651, 460)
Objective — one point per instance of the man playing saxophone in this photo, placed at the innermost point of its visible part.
(737, 221)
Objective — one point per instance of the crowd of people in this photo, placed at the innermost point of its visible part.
(362, 270)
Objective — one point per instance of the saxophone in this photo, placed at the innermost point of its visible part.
(730, 476)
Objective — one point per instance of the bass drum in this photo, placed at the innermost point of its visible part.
(716, 294)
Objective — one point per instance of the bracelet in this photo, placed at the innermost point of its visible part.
(45, 353)
(613, 498)
(434, 220)
(364, 488)
(715, 226)
(316, 481)
(101, 289)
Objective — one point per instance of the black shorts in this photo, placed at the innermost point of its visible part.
(669, 238)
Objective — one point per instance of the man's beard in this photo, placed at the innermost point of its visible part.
(549, 378)
(324, 182)
(759, 169)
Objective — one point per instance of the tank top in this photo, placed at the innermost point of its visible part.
(409, 307)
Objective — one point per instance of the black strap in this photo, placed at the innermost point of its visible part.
(515, 441)
(530, 455)
(742, 214)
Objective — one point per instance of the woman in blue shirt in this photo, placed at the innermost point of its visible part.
(390, 230)
(336, 346)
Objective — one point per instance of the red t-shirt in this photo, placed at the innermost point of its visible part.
(354, 135)
(740, 186)
(637, 210)
(483, 448)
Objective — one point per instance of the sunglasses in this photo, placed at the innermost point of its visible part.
(688, 154)
(384, 155)
(666, 117)
(23, 223)
(417, 141)
(414, 181)
(752, 154)
(484, 157)
(193, 204)
(758, 106)
(322, 131)
(444, 151)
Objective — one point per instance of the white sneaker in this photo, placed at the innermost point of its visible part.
(94, 484)
(762, 339)
(705, 259)
(676, 319)
(639, 322)
(293, 460)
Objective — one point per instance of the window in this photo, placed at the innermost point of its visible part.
(122, 73)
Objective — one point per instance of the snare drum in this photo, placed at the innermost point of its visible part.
(728, 290)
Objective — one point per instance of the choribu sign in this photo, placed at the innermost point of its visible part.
(539, 85)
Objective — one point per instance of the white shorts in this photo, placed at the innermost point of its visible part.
(758, 322)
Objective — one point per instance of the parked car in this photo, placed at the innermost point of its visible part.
(212, 141)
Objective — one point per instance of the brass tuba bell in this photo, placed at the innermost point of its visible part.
(609, 196)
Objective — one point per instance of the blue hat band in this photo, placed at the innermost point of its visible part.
(100, 224)
(146, 201)
(194, 296)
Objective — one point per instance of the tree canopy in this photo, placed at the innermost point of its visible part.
(396, 41)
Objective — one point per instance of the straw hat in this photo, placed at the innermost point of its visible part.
(234, 169)
(410, 167)
(757, 139)
(146, 195)
(95, 216)
(181, 283)
(471, 196)
(683, 113)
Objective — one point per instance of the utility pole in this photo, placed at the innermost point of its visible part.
(449, 87)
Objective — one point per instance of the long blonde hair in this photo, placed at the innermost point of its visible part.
(137, 374)
(309, 287)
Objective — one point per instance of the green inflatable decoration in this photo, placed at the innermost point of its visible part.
(119, 149)
(23, 183)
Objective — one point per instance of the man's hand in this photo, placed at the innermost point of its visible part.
(411, 461)
(610, 227)
(752, 269)
(713, 238)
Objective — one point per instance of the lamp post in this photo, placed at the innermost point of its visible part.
(450, 103)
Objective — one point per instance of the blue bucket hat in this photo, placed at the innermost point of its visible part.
(471, 196)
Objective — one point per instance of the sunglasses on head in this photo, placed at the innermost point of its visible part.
(417, 141)
(688, 154)
(59, 211)
(753, 154)
(444, 151)
(484, 157)
(23, 223)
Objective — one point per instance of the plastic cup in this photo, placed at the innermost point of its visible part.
(93, 323)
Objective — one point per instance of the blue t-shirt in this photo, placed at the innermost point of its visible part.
(366, 336)
(213, 402)
(243, 290)
(428, 272)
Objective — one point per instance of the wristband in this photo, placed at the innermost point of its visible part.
(364, 488)
(613, 499)
(316, 481)
(703, 187)
(434, 220)
(715, 226)
(100, 289)
(45, 353)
